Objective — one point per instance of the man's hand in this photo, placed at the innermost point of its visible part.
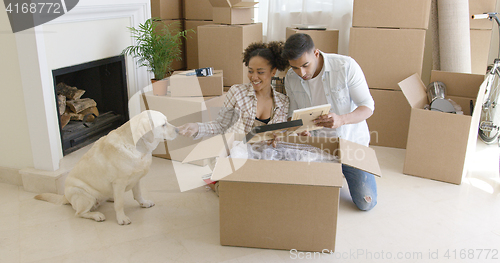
(330, 120)
(188, 129)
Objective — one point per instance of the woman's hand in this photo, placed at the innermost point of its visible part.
(274, 141)
(305, 133)
(188, 129)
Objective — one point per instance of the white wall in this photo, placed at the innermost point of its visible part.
(15, 146)
(75, 43)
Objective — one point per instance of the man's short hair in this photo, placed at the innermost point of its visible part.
(296, 45)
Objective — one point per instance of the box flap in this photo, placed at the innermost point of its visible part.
(359, 156)
(244, 4)
(283, 172)
(458, 84)
(211, 147)
(231, 3)
(414, 90)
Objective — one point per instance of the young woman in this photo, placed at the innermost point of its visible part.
(251, 104)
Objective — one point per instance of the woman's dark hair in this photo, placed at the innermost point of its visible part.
(296, 45)
(270, 51)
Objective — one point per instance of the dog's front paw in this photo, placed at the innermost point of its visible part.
(124, 220)
(99, 217)
(147, 204)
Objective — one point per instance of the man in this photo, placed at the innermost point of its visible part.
(318, 78)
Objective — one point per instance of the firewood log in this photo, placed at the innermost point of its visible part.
(65, 118)
(79, 105)
(72, 93)
(61, 103)
(81, 115)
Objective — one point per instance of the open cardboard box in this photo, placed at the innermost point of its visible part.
(232, 11)
(281, 204)
(182, 85)
(440, 144)
(179, 111)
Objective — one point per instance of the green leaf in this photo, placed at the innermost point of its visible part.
(157, 45)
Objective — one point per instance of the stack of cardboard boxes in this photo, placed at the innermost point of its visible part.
(197, 13)
(480, 34)
(387, 40)
(221, 45)
(170, 12)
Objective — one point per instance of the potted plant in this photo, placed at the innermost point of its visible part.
(157, 46)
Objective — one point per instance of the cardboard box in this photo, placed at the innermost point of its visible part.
(232, 12)
(391, 13)
(192, 42)
(295, 208)
(177, 26)
(324, 40)
(391, 119)
(481, 7)
(387, 56)
(480, 40)
(198, 10)
(440, 144)
(182, 85)
(179, 111)
(167, 9)
(222, 46)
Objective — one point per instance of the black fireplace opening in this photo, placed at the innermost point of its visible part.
(104, 101)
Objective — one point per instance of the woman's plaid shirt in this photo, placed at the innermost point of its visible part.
(239, 112)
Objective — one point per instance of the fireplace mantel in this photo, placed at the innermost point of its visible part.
(36, 70)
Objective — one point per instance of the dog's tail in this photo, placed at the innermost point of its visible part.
(53, 198)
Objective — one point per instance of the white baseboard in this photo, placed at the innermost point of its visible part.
(10, 176)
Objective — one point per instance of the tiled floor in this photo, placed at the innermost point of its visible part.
(416, 220)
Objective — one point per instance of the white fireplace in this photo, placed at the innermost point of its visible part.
(94, 29)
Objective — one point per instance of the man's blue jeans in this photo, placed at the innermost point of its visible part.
(362, 187)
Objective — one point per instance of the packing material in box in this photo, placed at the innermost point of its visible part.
(232, 12)
(192, 43)
(182, 85)
(391, 13)
(390, 121)
(324, 40)
(166, 9)
(481, 7)
(440, 144)
(222, 46)
(179, 111)
(198, 10)
(294, 207)
(387, 55)
(480, 40)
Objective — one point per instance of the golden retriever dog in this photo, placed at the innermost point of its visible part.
(113, 165)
